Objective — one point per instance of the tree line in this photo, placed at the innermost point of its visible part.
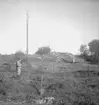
(90, 51)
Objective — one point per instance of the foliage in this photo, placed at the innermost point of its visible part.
(94, 49)
(19, 55)
(65, 92)
(92, 59)
(94, 46)
(84, 53)
(67, 89)
(90, 54)
(43, 50)
(84, 50)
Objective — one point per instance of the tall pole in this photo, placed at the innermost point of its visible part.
(49, 43)
(27, 21)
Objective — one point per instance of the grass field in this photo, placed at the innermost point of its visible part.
(72, 83)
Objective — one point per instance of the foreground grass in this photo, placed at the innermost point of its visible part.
(74, 84)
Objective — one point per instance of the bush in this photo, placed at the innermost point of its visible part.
(43, 50)
(19, 55)
(90, 58)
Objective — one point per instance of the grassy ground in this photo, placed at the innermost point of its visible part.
(75, 84)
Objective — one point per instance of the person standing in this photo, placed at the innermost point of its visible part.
(18, 67)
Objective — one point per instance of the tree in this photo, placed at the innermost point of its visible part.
(43, 50)
(84, 50)
(94, 49)
(19, 55)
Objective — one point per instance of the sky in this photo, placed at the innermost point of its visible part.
(61, 24)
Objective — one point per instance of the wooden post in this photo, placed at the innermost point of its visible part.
(42, 90)
(27, 21)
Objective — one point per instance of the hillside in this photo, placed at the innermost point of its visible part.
(72, 83)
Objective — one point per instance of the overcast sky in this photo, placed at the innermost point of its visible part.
(62, 24)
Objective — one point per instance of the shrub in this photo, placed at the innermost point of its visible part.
(19, 55)
(43, 50)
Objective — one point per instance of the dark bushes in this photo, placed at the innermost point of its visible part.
(93, 59)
